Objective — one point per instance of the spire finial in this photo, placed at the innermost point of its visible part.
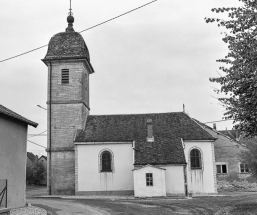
(70, 13)
(70, 20)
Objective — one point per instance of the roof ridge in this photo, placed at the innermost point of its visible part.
(4, 110)
(134, 114)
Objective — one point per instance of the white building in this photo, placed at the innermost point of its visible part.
(145, 155)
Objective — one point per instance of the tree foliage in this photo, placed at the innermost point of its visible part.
(239, 83)
(36, 174)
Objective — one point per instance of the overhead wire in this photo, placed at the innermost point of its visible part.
(36, 144)
(34, 135)
(83, 30)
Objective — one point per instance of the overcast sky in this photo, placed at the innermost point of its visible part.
(152, 60)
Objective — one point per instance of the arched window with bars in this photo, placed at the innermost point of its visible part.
(106, 161)
(195, 159)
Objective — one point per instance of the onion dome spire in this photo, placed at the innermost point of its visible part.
(70, 20)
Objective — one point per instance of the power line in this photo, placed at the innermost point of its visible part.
(119, 16)
(83, 30)
(36, 144)
(33, 135)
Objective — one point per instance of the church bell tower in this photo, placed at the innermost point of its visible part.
(69, 68)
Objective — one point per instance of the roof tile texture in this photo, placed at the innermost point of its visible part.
(168, 129)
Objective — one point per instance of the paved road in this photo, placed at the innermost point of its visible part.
(66, 207)
(59, 206)
(56, 206)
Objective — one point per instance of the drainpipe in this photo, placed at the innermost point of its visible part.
(50, 131)
(133, 154)
(185, 174)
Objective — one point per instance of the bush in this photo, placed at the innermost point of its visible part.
(251, 179)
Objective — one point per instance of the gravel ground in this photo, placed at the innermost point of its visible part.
(31, 210)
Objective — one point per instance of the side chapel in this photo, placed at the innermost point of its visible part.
(156, 154)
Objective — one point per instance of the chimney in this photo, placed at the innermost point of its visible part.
(150, 137)
(183, 108)
(214, 126)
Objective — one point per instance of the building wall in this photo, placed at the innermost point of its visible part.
(69, 109)
(13, 149)
(159, 186)
(175, 182)
(227, 152)
(201, 180)
(89, 178)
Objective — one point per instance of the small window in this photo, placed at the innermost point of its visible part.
(244, 168)
(221, 169)
(106, 162)
(65, 76)
(195, 159)
(149, 179)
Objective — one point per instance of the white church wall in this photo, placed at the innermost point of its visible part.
(90, 180)
(158, 188)
(201, 180)
(175, 182)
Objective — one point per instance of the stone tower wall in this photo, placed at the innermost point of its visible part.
(69, 109)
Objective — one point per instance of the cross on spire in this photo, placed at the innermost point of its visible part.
(70, 20)
(70, 13)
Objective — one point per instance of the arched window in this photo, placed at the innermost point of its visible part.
(195, 159)
(106, 162)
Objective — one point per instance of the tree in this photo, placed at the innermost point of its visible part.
(240, 65)
(36, 174)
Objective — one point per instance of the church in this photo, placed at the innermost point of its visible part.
(145, 155)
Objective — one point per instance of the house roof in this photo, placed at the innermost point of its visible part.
(43, 156)
(8, 112)
(31, 156)
(239, 137)
(148, 165)
(168, 129)
(233, 134)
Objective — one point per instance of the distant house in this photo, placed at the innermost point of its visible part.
(43, 160)
(236, 136)
(13, 147)
(228, 147)
(30, 159)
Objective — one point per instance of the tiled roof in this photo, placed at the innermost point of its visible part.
(31, 156)
(168, 129)
(239, 136)
(230, 133)
(7, 112)
(43, 156)
(67, 45)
